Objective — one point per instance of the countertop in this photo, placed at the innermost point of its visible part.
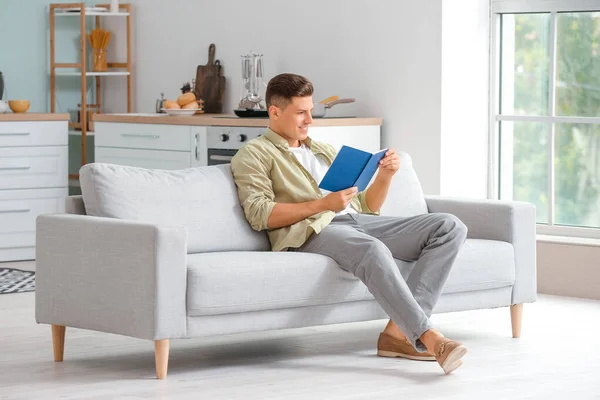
(221, 120)
(27, 116)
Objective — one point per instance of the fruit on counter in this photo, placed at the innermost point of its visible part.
(170, 105)
(190, 106)
(186, 99)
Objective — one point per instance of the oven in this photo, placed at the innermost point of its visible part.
(224, 141)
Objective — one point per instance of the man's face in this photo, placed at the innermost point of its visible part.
(293, 121)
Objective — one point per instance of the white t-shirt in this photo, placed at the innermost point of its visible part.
(317, 167)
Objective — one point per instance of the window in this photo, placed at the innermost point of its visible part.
(546, 112)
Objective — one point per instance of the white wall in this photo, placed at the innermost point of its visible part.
(465, 104)
(568, 269)
(386, 54)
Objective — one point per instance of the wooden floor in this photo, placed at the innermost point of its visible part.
(557, 357)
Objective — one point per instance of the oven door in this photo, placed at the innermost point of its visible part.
(220, 156)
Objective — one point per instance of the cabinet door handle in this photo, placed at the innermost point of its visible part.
(140, 136)
(15, 168)
(221, 158)
(196, 146)
(14, 133)
(17, 210)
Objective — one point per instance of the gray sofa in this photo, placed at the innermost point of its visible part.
(162, 255)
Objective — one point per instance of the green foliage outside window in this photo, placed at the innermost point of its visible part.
(577, 146)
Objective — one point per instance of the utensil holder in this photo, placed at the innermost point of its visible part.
(99, 60)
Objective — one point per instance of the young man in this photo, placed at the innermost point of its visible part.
(277, 177)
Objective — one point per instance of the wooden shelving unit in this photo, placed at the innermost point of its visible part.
(72, 10)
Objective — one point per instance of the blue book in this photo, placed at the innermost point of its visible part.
(351, 167)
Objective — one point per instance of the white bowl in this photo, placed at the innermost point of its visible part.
(4, 106)
(180, 112)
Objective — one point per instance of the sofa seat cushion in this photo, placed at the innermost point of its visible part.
(480, 265)
(241, 281)
(233, 282)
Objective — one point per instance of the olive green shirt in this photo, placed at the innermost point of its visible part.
(266, 173)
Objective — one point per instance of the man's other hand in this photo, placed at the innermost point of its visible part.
(337, 201)
(389, 164)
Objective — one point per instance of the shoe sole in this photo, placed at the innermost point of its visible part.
(393, 354)
(453, 366)
(453, 360)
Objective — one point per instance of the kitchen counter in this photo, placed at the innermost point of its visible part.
(27, 116)
(222, 120)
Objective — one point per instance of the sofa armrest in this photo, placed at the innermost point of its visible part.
(509, 221)
(111, 275)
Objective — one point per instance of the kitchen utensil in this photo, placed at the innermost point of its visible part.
(1, 85)
(210, 83)
(19, 106)
(160, 103)
(4, 106)
(251, 113)
(252, 81)
(329, 99)
(319, 109)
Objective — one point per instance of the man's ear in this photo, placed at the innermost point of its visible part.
(274, 111)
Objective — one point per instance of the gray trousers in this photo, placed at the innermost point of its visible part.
(366, 245)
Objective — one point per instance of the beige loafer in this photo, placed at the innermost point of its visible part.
(389, 346)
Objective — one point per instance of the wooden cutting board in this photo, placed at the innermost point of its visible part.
(210, 83)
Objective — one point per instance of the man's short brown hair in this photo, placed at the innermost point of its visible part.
(283, 87)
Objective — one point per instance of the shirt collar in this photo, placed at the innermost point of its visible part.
(281, 142)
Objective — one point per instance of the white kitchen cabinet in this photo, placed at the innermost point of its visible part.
(154, 146)
(143, 136)
(199, 146)
(18, 212)
(165, 146)
(33, 167)
(143, 158)
(33, 179)
(367, 138)
(33, 133)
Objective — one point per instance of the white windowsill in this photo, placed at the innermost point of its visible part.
(578, 241)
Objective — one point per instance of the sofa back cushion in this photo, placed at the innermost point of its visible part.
(204, 200)
(405, 197)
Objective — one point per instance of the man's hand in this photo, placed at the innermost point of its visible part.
(377, 192)
(285, 214)
(389, 164)
(337, 201)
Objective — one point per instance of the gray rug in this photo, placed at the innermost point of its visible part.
(16, 281)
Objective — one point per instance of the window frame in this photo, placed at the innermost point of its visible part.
(552, 7)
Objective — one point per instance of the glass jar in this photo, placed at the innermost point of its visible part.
(99, 60)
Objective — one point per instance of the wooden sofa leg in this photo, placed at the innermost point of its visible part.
(58, 342)
(161, 357)
(516, 317)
